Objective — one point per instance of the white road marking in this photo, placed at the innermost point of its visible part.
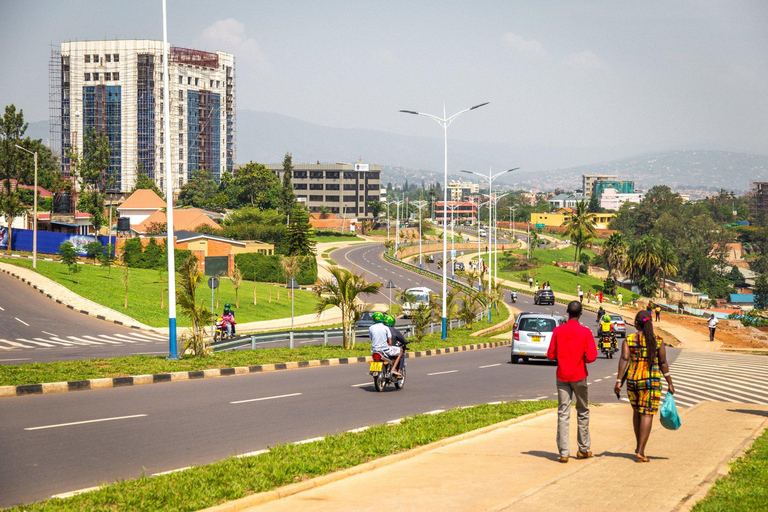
(22, 321)
(395, 422)
(46, 340)
(357, 430)
(82, 340)
(490, 365)
(153, 337)
(70, 494)
(46, 345)
(541, 397)
(15, 344)
(251, 454)
(441, 373)
(359, 385)
(608, 376)
(2, 308)
(147, 353)
(17, 359)
(123, 337)
(307, 441)
(436, 411)
(170, 471)
(264, 398)
(49, 333)
(87, 421)
(495, 403)
(598, 380)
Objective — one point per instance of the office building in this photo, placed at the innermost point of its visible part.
(456, 210)
(344, 189)
(621, 186)
(612, 199)
(116, 87)
(566, 200)
(588, 182)
(461, 190)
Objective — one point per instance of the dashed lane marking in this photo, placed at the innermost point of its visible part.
(360, 385)
(87, 421)
(442, 373)
(22, 321)
(264, 398)
(490, 365)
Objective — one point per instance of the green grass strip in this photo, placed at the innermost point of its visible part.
(63, 371)
(205, 486)
(744, 488)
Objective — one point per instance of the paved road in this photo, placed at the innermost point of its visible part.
(33, 328)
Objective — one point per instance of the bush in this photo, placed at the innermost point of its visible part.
(132, 252)
(609, 286)
(329, 232)
(269, 269)
(154, 256)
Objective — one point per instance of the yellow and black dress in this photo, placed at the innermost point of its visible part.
(643, 379)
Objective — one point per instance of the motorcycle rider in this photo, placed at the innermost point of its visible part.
(606, 329)
(381, 340)
(228, 317)
(600, 314)
(397, 337)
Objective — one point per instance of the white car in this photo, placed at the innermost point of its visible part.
(531, 335)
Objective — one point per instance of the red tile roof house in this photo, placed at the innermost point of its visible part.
(145, 208)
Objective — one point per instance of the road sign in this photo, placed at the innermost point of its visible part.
(453, 254)
(540, 225)
(390, 284)
(213, 283)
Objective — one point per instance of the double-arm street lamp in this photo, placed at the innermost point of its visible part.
(397, 224)
(453, 246)
(420, 204)
(34, 211)
(512, 210)
(444, 122)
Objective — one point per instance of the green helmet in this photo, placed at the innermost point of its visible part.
(606, 318)
(227, 306)
(378, 317)
(389, 320)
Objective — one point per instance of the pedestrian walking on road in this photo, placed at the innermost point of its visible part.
(589, 297)
(644, 359)
(537, 284)
(530, 282)
(573, 347)
(620, 298)
(650, 309)
(600, 296)
(657, 310)
(581, 295)
(712, 326)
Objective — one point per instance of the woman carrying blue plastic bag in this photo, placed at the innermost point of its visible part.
(643, 361)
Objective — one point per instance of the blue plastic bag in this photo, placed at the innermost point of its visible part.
(669, 417)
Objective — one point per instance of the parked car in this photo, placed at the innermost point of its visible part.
(458, 266)
(531, 335)
(542, 297)
(619, 327)
(366, 320)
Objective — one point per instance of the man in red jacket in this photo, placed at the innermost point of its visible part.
(573, 347)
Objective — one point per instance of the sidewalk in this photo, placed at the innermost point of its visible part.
(514, 467)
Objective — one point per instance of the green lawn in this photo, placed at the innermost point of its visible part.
(744, 488)
(147, 291)
(343, 238)
(205, 486)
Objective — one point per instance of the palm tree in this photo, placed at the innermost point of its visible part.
(668, 264)
(341, 290)
(644, 261)
(615, 252)
(470, 307)
(471, 276)
(581, 229)
(451, 303)
(190, 277)
(421, 317)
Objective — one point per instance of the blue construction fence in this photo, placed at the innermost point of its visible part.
(48, 242)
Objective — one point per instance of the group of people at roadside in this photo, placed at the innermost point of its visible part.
(642, 364)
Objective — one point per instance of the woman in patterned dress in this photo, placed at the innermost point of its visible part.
(642, 355)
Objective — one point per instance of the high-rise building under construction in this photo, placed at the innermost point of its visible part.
(116, 87)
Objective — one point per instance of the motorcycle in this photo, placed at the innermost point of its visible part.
(607, 344)
(381, 370)
(513, 296)
(220, 333)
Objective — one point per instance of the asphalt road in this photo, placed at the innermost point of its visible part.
(33, 328)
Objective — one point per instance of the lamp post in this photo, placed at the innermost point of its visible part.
(477, 224)
(420, 204)
(397, 225)
(34, 211)
(496, 237)
(453, 249)
(292, 285)
(512, 210)
(390, 287)
(387, 203)
(444, 122)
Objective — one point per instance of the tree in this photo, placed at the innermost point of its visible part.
(68, 254)
(644, 263)
(421, 317)
(237, 280)
(581, 229)
(144, 182)
(451, 303)
(470, 307)
(107, 257)
(299, 240)
(761, 292)
(376, 208)
(126, 279)
(12, 128)
(287, 197)
(668, 265)
(260, 186)
(614, 253)
(342, 290)
(91, 170)
(190, 277)
(594, 204)
(200, 191)
(12, 207)
(93, 250)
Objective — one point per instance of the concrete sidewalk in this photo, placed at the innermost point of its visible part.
(513, 466)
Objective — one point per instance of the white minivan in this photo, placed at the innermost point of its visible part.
(418, 296)
(531, 335)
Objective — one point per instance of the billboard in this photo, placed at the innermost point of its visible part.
(3, 237)
(362, 167)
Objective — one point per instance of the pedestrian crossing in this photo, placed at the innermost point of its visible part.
(719, 377)
(63, 341)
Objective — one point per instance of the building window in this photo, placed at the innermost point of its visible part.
(181, 110)
(332, 199)
(95, 58)
(87, 76)
(316, 186)
(195, 81)
(349, 186)
(181, 171)
(299, 186)
(211, 83)
(181, 95)
(181, 153)
(350, 209)
(362, 199)
(349, 175)
(332, 186)
(95, 76)
(315, 198)
(218, 84)
(349, 199)
(181, 139)
(116, 57)
(107, 76)
(362, 187)
(373, 175)
(108, 57)
(189, 80)
(316, 175)
(299, 174)
(115, 76)
(362, 210)
(332, 175)
(181, 79)
(87, 58)
(181, 124)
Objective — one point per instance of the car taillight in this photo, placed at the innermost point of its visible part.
(516, 335)
(621, 324)
(376, 356)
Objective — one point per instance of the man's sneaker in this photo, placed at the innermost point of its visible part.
(582, 455)
(562, 459)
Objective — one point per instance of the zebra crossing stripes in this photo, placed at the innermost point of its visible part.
(717, 377)
(63, 341)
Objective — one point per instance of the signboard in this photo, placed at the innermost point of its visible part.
(453, 254)
(362, 167)
(4, 238)
(540, 225)
(213, 283)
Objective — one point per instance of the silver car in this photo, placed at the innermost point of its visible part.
(619, 326)
(531, 335)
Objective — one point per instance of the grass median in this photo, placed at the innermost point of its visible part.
(744, 488)
(234, 478)
(63, 371)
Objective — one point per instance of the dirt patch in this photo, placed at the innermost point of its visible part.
(729, 332)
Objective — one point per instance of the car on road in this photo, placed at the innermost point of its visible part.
(415, 297)
(619, 326)
(482, 232)
(531, 335)
(366, 320)
(458, 266)
(542, 297)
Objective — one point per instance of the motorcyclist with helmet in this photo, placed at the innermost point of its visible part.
(228, 317)
(381, 341)
(397, 337)
(607, 329)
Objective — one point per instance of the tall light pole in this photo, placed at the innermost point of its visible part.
(420, 204)
(453, 247)
(444, 122)
(496, 237)
(512, 210)
(477, 224)
(34, 211)
(387, 203)
(173, 352)
(397, 225)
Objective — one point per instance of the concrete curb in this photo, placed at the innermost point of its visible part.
(291, 489)
(59, 301)
(140, 380)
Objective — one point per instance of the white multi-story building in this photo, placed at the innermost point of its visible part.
(461, 190)
(588, 182)
(116, 87)
(611, 199)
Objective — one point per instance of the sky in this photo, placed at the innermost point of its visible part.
(651, 75)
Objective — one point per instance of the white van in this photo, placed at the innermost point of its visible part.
(419, 295)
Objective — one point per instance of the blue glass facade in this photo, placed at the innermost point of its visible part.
(203, 132)
(145, 107)
(102, 111)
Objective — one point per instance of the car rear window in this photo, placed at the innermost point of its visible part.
(537, 324)
(617, 318)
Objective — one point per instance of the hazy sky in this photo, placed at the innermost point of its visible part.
(653, 74)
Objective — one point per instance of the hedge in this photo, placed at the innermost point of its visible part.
(269, 268)
(152, 256)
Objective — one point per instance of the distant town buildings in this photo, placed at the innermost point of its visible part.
(116, 87)
(462, 190)
(759, 202)
(344, 189)
(561, 217)
(588, 182)
(566, 200)
(611, 199)
(458, 210)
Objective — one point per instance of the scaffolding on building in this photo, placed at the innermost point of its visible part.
(56, 107)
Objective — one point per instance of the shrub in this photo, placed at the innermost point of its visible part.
(153, 256)
(132, 251)
(328, 232)
(269, 269)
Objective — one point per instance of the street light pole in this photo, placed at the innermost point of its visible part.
(444, 122)
(496, 237)
(453, 247)
(420, 204)
(34, 212)
(397, 225)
